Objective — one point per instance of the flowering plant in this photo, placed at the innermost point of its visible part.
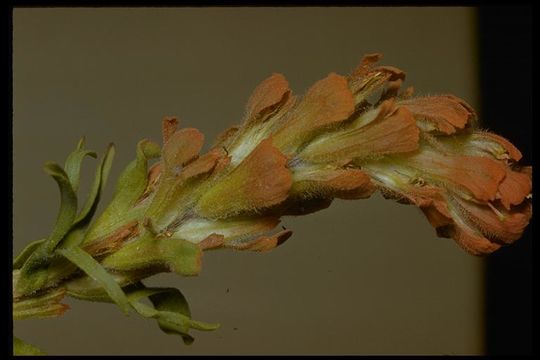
(347, 137)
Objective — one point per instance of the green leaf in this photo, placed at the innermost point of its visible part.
(100, 180)
(78, 231)
(203, 326)
(23, 348)
(26, 253)
(68, 205)
(94, 269)
(170, 299)
(171, 310)
(73, 163)
(130, 186)
(173, 301)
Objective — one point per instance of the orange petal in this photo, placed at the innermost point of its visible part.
(497, 224)
(266, 97)
(366, 64)
(397, 133)
(327, 103)
(515, 187)
(478, 175)
(445, 114)
(203, 164)
(183, 146)
(259, 181)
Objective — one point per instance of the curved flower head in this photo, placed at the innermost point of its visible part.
(347, 137)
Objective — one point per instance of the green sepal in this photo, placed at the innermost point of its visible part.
(130, 186)
(178, 255)
(94, 269)
(72, 166)
(23, 348)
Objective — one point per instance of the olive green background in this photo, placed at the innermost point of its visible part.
(362, 277)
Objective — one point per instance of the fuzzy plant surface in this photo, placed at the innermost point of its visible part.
(346, 138)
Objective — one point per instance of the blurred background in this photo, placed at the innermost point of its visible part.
(362, 277)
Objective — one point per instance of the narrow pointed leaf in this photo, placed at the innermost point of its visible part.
(100, 180)
(94, 269)
(73, 163)
(172, 301)
(203, 326)
(171, 310)
(68, 205)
